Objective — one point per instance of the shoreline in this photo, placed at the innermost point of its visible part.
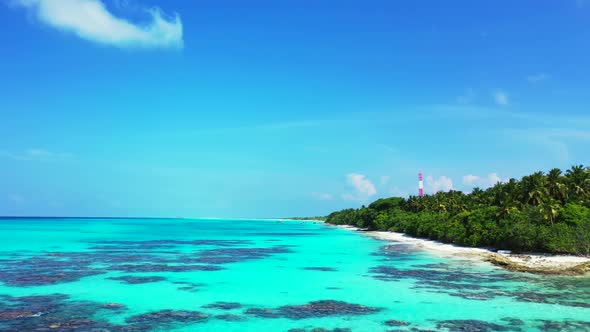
(530, 262)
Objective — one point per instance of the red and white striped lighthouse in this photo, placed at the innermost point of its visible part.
(420, 185)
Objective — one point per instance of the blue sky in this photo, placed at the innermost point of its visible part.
(281, 108)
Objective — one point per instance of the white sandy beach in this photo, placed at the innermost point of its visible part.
(540, 263)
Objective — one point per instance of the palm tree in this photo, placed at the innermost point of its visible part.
(477, 196)
(577, 177)
(557, 189)
(550, 209)
(533, 189)
(577, 173)
(507, 207)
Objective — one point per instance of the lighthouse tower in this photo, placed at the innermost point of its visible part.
(420, 185)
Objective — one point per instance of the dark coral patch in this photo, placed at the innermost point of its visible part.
(165, 318)
(231, 318)
(163, 268)
(320, 268)
(314, 309)
(469, 284)
(284, 234)
(393, 322)
(47, 278)
(7, 315)
(128, 256)
(132, 280)
(396, 252)
(188, 286)
(113, 306)
(473, 285)
(37, 271)
(564, 326)
(165, 244)
(513, 321)
(223, 305)
(325, 308)
(263, 313)
(54, 313)
(231, 255)
(562, 298)
(433, 276)
(470, 325)
(321, 329)
(188, 289)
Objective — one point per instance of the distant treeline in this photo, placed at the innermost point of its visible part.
(308, 218)
(541, 212)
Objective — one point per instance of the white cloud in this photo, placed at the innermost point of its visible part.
(482, 182)
(536, 78)
(470, 179)
(37, 155)
(322, 196)
(501, 98)
(443, 183)
(363, 187)
(493, 179)
(384, 179)
(91, 20)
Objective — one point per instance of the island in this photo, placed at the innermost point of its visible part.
(543, 213)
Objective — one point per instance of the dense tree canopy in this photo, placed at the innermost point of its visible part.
(541, 212)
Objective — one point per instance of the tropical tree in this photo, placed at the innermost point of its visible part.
(577, 177)
(533, 189)
(556, 186)
(550, 209)
(544, 212)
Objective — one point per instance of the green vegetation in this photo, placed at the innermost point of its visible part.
(541, 212)
(308, 218)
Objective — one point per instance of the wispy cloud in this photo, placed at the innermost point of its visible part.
(483, 182)
(37, 155)
(556, 141)
(361, 184)
(470, 179)
(91, 20)
(501, 97)
(322, 196)
(536, 78)
(442, 183)
(480, 113)
(363, 187)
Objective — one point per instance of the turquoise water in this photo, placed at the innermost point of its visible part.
(253, 275)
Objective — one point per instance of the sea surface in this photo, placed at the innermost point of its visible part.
(259, 275)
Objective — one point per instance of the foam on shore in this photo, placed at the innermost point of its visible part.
(530, 262)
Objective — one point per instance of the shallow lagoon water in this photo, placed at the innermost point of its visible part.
(252, 275)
